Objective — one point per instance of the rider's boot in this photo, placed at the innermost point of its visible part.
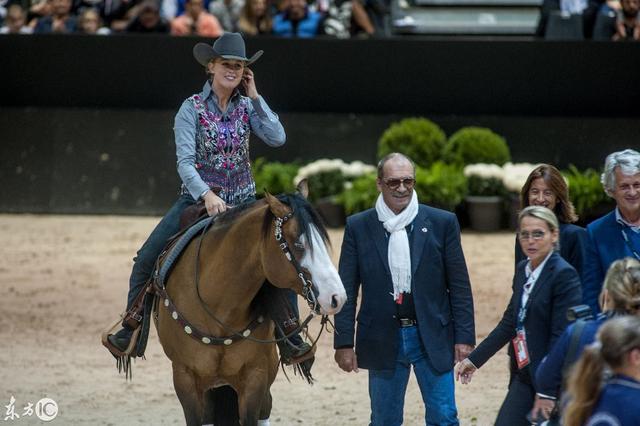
(122, 338)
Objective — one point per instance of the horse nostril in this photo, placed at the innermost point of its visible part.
(334, 301)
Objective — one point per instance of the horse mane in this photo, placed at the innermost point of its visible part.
(304, 214)
(232, 214)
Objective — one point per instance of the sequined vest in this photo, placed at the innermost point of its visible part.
(222, 151)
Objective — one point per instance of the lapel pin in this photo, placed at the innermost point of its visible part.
(424, 229)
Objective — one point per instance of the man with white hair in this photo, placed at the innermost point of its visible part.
(616, 235)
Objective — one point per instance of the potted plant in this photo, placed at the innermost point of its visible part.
(420, 139)
(274, 177)
(485, 196)
(474, 145)
(327, 179)
(587, 195)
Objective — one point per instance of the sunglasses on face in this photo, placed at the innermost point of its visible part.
(535, 235)
(393, 183)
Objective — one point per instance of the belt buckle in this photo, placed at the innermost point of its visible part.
(406, 322)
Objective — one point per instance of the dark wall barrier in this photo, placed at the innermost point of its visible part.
(86, 122)
(391, 76)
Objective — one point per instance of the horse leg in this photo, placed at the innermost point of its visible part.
(221, 407)
(265, 410)
(191, 399)
(251, 400)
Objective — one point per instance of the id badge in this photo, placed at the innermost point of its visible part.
(520, 349)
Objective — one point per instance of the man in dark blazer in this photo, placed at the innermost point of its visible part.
(617, 234)
(429, 324)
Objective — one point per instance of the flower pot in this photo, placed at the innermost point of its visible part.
(331, 212)
(513, 206)
(485, 213)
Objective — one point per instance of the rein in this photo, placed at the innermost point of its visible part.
(234, 335)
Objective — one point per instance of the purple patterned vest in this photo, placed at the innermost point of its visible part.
(222, 151)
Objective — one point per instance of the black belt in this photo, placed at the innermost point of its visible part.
(407, 322)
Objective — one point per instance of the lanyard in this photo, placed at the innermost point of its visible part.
(626, 239)
(522, 312)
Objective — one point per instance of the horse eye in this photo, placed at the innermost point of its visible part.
(299, 245)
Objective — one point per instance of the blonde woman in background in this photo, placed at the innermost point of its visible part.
(617, 402)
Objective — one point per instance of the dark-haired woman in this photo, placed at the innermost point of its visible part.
(546, 187)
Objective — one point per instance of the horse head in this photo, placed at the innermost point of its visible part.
(300, 238)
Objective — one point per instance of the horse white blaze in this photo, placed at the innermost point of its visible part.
(324, 275)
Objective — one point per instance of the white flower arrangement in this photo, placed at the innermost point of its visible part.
(349, 170)
(484, 171)
(516, 174)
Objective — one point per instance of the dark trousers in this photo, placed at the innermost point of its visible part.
(517, 404)
(146, 257)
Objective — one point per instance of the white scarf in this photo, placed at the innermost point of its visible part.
(399, 254)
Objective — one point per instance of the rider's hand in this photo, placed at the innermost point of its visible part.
(346, 359)
(214, 204)
(542, 407)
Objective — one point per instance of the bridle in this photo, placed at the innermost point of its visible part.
(307, 284)
(245, 334)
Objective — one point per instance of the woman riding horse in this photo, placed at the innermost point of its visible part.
(212, 131)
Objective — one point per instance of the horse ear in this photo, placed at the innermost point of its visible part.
(278, 208)
(303, 188)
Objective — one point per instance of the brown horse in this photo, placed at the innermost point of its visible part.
(211, 289)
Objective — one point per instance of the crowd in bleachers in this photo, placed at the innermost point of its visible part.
(207, 18)
(617, 20)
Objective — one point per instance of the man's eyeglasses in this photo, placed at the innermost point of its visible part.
(535, 235)
(395, 183)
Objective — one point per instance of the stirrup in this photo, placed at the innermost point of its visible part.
(301, 353)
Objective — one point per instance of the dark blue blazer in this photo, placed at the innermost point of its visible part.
(606, 245)
(440, 288)
(556, 290)
(573, 246)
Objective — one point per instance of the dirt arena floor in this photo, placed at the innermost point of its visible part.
(63, 279)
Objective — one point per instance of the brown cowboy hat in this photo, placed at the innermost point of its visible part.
(228, 46)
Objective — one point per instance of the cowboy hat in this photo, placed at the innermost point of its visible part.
(228, 46)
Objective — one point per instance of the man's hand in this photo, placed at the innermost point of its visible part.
(464, 371)
(214, 204)
(346, 359)
(542, 407)
(462, 351)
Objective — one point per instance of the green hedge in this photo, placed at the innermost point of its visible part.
(418, 138)
(471, 145)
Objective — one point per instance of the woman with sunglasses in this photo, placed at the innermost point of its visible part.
(544, 287)
(546, 187)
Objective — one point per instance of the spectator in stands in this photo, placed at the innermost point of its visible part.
(15, 22)
(620, 296)
(89, 22)
(297, 20)
(148, 20)
(627, 26)
(344, 18)
(60, 20)
(615, 403)
(196, 21)
(227, 12)
(546, 187)
(616, 235)
(171, 8)
(255, 18)
(544, 287)
(38, 9)
(587, 8)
